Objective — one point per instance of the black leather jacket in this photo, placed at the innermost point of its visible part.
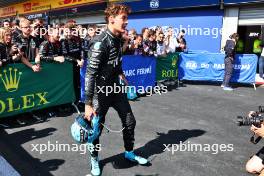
(72, 48)
(28, 46)
(105, 63)
(48, 50)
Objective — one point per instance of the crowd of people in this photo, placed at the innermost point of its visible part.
(155, 42)
(24, 41)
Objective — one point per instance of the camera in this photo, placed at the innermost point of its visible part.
(254, 118)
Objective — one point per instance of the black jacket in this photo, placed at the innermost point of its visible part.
(48, 50)
(105, 63)
(72, 48)
(230, 48)
(5, 57)
(28, 46)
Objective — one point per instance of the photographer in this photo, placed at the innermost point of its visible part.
(255, 164)
(5, 40)
(182, 45)
(7, 51)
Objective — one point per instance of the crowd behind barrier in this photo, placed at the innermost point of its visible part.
(152, 56)
(21, 91)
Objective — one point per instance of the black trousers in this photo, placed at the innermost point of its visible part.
(120, 103)
(228, 70)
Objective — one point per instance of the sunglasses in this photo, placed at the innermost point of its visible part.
(26, 27)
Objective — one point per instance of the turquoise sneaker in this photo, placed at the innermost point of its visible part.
(134, 158)
(95, 168)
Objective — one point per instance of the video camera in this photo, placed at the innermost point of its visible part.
(255, 118)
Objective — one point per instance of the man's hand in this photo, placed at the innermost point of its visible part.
(35, 68)
(1, 63)
(14, 48)
(89, 112)
(123, 78)
(258, 131)
(80, 63)
(251, 113)
(60, 59)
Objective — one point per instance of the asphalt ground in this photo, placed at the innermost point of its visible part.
(195, 114)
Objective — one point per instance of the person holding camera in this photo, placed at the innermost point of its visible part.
(8, 53)
(255, 164)
(5, 41)
(230, 51)
(182, 45)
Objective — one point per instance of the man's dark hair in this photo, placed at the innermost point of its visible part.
(151, 33)
(92, 26)
(183, 31)
(116, 9)
(15, 22)
(143, 30)
(139, 35)
(234, 36)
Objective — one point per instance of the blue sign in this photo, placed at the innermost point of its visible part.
(241, 1)
(210, 67)
(147, 5)
(203, 27)
(140, 71)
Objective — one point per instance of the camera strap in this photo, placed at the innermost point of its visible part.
(255, 139)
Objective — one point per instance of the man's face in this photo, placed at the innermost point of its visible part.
(146, 32)
(6, 24)
(152, 38)
(91, 32)
(55, 34)
(25, 28)
(119, 22)
(139, 40)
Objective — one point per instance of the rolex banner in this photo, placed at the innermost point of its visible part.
(167, 67)
(22, 90)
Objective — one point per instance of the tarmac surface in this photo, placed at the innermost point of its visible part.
(204, 115)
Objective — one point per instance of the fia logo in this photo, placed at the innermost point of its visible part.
(192, 65)
(154, 4)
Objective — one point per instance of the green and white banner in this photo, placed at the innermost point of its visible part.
(167, 67)
(22, 90)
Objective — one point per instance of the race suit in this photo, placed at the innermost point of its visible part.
(103, 70)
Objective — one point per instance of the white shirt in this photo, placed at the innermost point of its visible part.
(172, 45)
